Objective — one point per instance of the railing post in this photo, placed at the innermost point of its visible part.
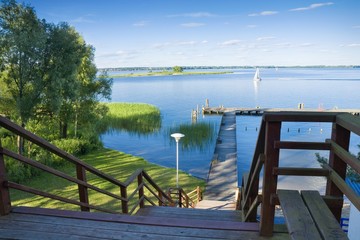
(124, 203)
(180, 197)
(83, 191)
(160, 198)
(141, 190)
(341, 136)
(5, 203)
(272, 134)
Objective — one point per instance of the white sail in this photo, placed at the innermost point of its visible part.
(257, 75)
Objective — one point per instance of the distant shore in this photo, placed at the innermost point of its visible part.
(166, 73)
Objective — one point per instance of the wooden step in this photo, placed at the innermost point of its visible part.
(215, 205)
(190, 213)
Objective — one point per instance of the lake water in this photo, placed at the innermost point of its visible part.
(176, 96)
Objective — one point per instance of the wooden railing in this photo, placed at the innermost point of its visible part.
(146, 189)
(185, 200)
(266, 158)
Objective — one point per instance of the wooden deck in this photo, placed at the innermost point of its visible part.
(261, 111)
(222, 180)
(35, 223)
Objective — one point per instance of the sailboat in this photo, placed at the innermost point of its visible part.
(257, 75)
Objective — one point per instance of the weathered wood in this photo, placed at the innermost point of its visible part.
(7, 124)
(272, 134)
(56, 172)
(291, 171)
(346, 156)
(303, 145)
(326, 223)
(83, 191)
(344, 188)
(298, 219)
(55, 197)
(341, 136)
(5, 203)
(51, 227)
(349, 122)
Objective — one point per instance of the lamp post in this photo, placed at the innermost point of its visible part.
(177, 137)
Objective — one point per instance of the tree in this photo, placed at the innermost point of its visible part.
(178, 69)
(22, 44)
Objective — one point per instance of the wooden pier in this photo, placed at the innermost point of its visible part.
(222, 180)
(260, 111)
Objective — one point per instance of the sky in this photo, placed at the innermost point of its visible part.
(157, 33)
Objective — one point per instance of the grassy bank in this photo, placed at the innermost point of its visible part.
(166, 73)
(117, 164)
(141, 118)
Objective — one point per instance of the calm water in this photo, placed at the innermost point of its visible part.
(176, 96)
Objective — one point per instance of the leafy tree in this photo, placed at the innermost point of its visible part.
(22, 44)
(178, 69)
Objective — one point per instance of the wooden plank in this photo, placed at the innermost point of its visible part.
(302, 145)
(341, 136)
(272, 134)
(345, 156)
(300, 171)
(121, 218)
(5, 202)
(298, 219)
(67, 228)
(300, 116)
(349, 122)
(325, 221)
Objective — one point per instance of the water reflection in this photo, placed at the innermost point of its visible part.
(197, 135)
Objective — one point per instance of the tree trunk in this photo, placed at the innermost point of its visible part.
(21, 142)
(63, 129)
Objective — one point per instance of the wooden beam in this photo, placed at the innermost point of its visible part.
(302, 116)
(272, 134)
(343, 187)
(325, 221)
(298, 219)
(5, 202)
(341, 136)
(302, 145)
(349, 122)
(351, 160)
(290, 171)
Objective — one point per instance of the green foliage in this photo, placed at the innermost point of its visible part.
(178, 69)
(136, 118)
(117, 164)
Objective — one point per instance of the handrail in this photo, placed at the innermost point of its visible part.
(183, 198)
(143, 179)
(266, 158)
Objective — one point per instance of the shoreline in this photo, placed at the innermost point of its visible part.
(167, 73)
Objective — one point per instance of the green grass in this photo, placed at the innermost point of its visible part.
(165, 73)
(117, 164)
(137, 118)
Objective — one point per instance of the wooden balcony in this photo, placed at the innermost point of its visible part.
(138, 216)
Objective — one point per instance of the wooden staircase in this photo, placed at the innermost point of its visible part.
(190, 214)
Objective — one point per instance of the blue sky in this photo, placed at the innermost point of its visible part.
(153, 33)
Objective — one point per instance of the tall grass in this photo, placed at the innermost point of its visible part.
(138, 118)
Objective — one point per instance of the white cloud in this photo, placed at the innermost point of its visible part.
(205, 41)
(161, 45)
(230, 42)
(140, 24)
(264, 13)
(251, 26)
(186, 43)
(192, 24)
(194, 15)
(264, 38)
(312, 6)
(283, 45)
(354, 45)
